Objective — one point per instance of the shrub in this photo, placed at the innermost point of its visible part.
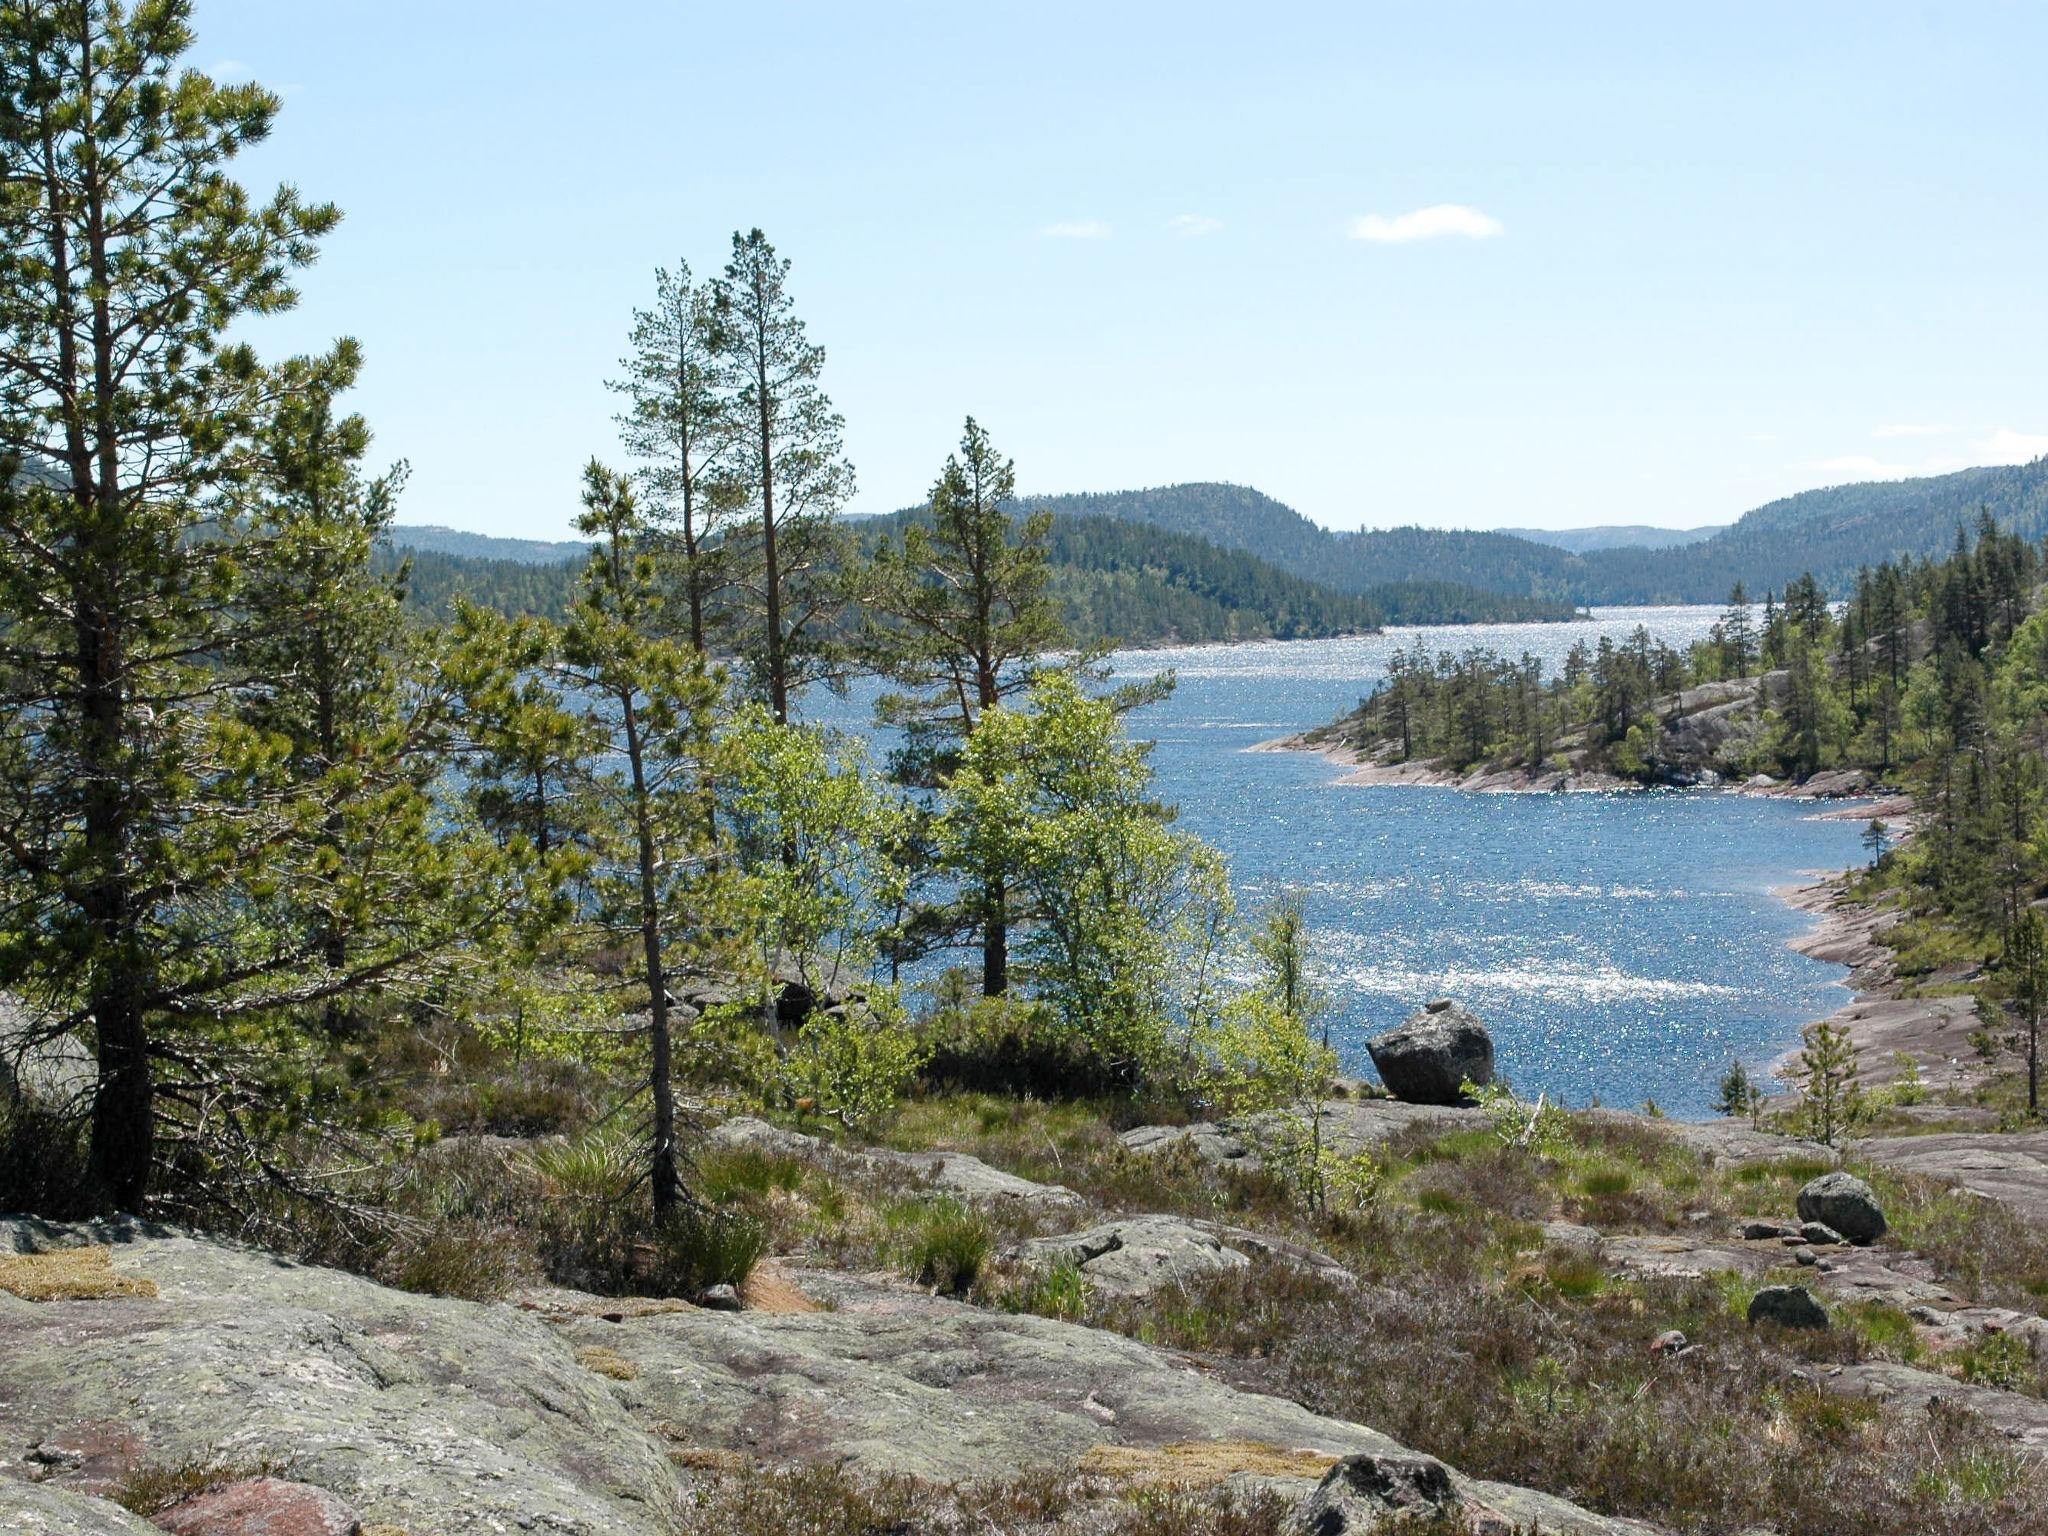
(855, 1066)
(948, 1246)
(696, 1249)
(43, 1168)
(1009, 1045)
(462, 1258)
(1060, 1291)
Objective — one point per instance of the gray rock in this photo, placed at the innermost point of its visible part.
(421, 1412)
(1670, 1342)
(464, 1419)
(1138, 1255)
(1819, 1234)
(2022, 1420)
(1349, 1125)
(1805, 1256)
(1789, 1306)
(1845, 1203)
(1366, 1493)
(2009, 1168)
(954, 1172)
(1425, 1059)
(720, 1298)
(1762, 1231)
(37, 1509)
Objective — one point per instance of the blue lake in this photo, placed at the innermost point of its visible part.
(1621, 946)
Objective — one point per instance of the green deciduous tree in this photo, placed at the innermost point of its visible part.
(1126, 915)
(961, 616)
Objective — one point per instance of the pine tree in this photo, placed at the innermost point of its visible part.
(141, 836)
(682, 424)
(963, 617)
(1827, 1080)
(791, 459)
(2026, 969)
(650, 701)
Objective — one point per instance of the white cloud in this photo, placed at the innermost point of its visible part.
(1908, 429)
(1185, 224)
(2006, 446)
(231, 72)
(1077, 229)
(1426, 224)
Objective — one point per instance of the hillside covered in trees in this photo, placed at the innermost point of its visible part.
(1116, 581)
(1828, 533)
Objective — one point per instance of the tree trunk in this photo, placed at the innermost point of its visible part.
(778, 671)
(663, 1177)
(995, 939)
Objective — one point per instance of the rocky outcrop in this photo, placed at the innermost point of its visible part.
(1845, 1205)
(1427, 1058)
(427, 1414)
(461, 1418)
(2022, 1419)
(954, 1172)
(2010, 1168)
(1138, 1255)
(1349, 1125)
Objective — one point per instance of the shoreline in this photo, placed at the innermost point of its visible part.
(1865, 801)
(1883, 1025)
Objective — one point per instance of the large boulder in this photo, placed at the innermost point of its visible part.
(1845, 1203)
(1369, 1492)
(1427, 1059)
(1789, 1306)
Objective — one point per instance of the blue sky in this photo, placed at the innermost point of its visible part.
(1456, 264)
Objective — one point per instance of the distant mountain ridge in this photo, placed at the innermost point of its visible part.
(1829, 532)
(439, 540)
(1614, 536)
(1414, 574)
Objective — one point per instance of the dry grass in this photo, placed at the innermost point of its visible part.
(830, 1501)
(607, 1362)
(70, 1274)
(1201, 1463)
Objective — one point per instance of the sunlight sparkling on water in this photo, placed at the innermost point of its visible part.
(1620, 945)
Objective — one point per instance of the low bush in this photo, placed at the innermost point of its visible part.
(43, 1167)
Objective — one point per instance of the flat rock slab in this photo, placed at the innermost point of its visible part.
(423, 1413)
(2012, 1169)
(463, 1419)
(954, 1172)
(2021, 1419)
(891, 1380)
(1723, 1143)
(1349, 1126)
(1138, 1255)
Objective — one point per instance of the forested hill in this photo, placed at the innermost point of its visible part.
(1829, 532)
(1614, 536)
(1116, 580)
